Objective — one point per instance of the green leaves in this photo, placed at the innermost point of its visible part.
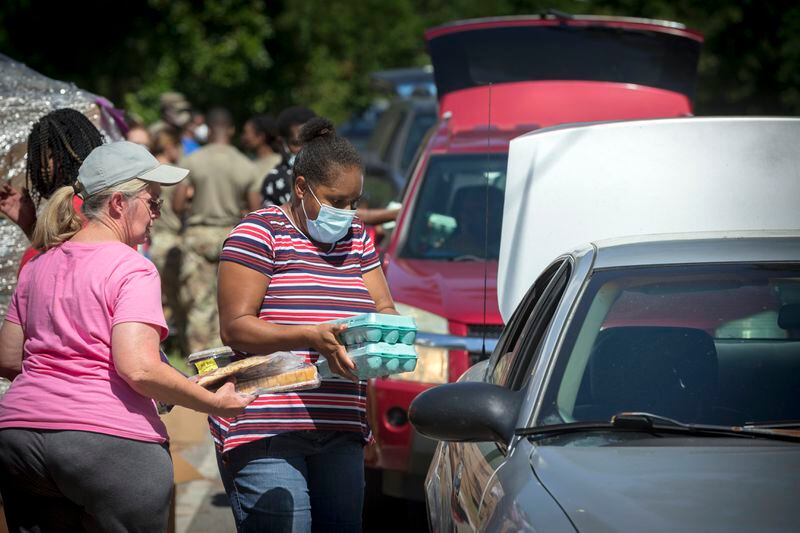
(255, 56)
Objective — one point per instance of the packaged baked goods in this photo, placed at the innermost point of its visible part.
(264, 374)
(212, 359)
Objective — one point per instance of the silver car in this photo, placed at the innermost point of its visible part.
(644, 383)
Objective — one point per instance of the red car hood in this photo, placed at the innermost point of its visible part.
(453, 290)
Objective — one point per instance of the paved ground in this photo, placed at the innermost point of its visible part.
(201, 506)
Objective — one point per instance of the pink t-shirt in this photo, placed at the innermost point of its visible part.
(67, 301)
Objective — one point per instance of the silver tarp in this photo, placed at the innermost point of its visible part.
(26, 95)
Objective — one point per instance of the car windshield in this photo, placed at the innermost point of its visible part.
(698, 344)
(449, 220)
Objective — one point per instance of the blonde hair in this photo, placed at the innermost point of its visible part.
(59, 221)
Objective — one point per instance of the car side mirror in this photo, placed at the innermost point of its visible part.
(467, 412)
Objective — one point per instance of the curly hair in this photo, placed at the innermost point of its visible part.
(323, 152)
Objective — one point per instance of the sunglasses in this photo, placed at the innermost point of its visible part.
(154, 204)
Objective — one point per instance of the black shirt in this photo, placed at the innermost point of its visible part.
(277, 186)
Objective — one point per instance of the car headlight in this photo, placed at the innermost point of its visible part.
(432, 363)
(432, 367)
(426, 321)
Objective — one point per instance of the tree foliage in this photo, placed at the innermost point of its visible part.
(254, 56)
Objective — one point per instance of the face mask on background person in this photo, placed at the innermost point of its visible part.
(201, 133)
(331, 223)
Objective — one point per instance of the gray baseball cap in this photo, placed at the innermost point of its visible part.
(114, 163)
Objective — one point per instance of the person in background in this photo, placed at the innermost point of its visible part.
(166, 240)
(295, 461)
(176, 112)
(276, 188)
(197, 132)
(138, 134)
(220, 177)
(82, 447)
(57, 145)
(260, 137)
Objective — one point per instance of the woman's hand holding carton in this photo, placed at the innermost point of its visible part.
(325, 341)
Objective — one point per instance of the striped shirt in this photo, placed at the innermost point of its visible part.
(307, 286)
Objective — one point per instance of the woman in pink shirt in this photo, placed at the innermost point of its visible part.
(81, 443)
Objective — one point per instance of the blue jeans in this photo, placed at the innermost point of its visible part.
(296, 482)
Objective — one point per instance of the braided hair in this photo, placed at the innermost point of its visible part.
(65, 137)
(324, 152)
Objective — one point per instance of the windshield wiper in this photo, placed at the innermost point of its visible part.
(773, 424)
(653, 423)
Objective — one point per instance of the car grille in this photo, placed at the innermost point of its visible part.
(479, 330)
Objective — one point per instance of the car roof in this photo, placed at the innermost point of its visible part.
(701, 247)
(569, 186)
(477, 140)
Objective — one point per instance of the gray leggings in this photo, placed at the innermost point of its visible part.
(81, 481)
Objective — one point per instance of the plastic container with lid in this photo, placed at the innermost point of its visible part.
(376, 359)
(377, 327)
(264, 374)
(212, 359)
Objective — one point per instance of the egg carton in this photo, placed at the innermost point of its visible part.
(377, 327)
(375, 360)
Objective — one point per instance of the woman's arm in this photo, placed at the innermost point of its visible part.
(181, 197)
(135, 346)
(12, 339)
(254, 200)
(379, 291)
(373, 217)
(240, 293)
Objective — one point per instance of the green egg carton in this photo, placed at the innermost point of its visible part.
(376, 359)
(377, 327)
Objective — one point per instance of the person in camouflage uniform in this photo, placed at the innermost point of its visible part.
(219, 179)
(166, 241)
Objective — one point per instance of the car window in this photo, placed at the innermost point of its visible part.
(417, 158)
(388, 124)
(713, 344)
(514, 368)
(391, 151)
(511, 338)
(450, 221)
(421, 123)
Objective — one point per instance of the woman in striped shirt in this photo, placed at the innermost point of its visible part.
(295, 460)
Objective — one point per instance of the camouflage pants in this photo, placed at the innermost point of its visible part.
(166, 252)
(202, 246)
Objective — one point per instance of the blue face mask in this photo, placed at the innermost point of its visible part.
(331, 223)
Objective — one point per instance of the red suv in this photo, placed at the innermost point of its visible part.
(497, 79)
